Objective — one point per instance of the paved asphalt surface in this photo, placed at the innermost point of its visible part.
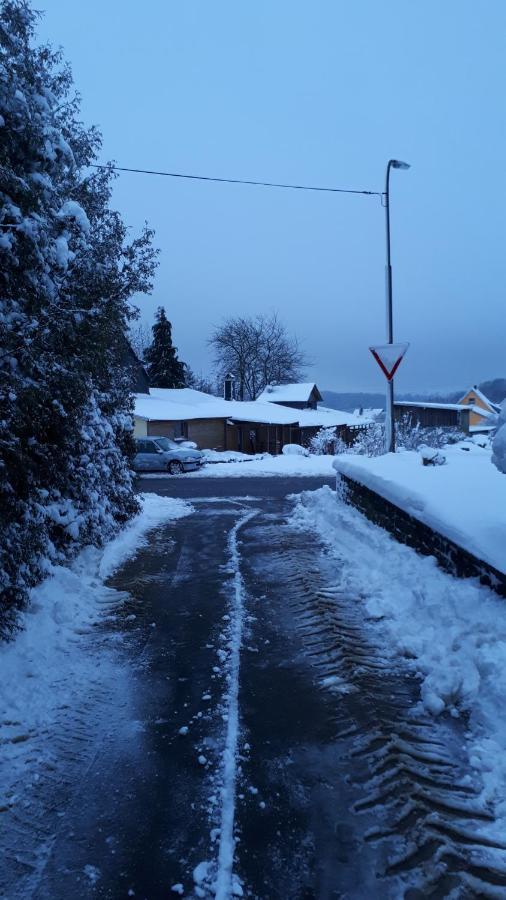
(339, 791)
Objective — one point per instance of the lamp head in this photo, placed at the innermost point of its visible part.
(398, 164)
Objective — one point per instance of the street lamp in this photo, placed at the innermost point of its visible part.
(389, 421)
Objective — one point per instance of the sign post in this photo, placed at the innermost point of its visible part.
(389, 358)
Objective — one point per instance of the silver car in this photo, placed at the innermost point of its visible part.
(154, 454)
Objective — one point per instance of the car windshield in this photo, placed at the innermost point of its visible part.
(166, 444)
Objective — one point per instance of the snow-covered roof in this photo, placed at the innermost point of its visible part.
(480, 394)
(457, 406)
(184, 404)
(183, 395)
(485, 413)
(288, 393)
(328, 418)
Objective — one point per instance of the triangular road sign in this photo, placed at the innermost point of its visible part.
(389, 357)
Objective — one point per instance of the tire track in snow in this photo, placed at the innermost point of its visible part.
(224, 886)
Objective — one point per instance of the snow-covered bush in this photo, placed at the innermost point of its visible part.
(66, 274)
(327, 441)
(499, 442)
(370, 441)
(409, 435)
(431, 457)
(295, 450)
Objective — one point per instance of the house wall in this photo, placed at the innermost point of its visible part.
(161, 428)
(435, 417)
(471, 399)
(299, 404)
(140, 427)
(251, 437)
(209, 434)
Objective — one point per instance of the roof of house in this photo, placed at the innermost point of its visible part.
(184, 404)
(481, 395)
(289, 393)
(457, 406)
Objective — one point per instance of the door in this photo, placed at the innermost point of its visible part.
(147, 457)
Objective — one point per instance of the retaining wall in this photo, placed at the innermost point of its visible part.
(409, 530)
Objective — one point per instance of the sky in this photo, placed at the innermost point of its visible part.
(320, 93)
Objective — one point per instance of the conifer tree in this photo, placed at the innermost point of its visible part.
(164, 368)
(66, 274)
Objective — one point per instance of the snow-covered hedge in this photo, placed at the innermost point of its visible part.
(66, 274)
(409, 435)
(499, 442)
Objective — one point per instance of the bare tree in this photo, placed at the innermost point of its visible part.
(258, 351)
(200, 382)
(139, 338)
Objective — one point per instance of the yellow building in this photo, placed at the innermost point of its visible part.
(481, 410)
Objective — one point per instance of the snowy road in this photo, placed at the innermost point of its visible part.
(271, 747)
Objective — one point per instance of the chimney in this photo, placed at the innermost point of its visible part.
(228, 387)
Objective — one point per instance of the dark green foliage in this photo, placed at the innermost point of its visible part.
(164, 368)
(66, 274)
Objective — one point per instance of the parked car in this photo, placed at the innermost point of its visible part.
(161, 454)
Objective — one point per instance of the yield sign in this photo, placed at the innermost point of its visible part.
(389, 357)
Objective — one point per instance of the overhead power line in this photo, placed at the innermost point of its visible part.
(269, 184)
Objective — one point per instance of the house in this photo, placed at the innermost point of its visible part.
(483, 411)
(311, 418)
(434, 415)
(213, 423)
(295, 396)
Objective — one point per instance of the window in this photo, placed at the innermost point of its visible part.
(166, 444)
(150, 447)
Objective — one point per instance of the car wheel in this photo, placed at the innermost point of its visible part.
(175, 467)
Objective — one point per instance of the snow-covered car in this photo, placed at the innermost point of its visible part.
(154, 454)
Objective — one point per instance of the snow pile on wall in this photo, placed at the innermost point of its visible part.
(499, 442)
(452, 632)
(465, 500)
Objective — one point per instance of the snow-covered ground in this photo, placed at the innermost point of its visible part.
(261, 465)
(452, 632)
(52, 662)
(465, 499)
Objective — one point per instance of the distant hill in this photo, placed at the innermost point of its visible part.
(349, 402)
(495, 390)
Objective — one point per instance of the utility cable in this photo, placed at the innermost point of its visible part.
(270, 184)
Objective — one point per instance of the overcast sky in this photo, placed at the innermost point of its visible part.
(319, 93)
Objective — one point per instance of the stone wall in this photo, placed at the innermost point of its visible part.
(408, 530)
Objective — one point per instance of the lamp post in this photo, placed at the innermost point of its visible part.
(389, 419)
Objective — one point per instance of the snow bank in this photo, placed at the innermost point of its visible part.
(452, 632)
(264, 465)
(499, 444)
(224, 456)
(465, 500)
(50, 662)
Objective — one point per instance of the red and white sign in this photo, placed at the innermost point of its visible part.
(389, 357)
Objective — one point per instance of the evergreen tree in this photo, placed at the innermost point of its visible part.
(164, 368)
(66, 274)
